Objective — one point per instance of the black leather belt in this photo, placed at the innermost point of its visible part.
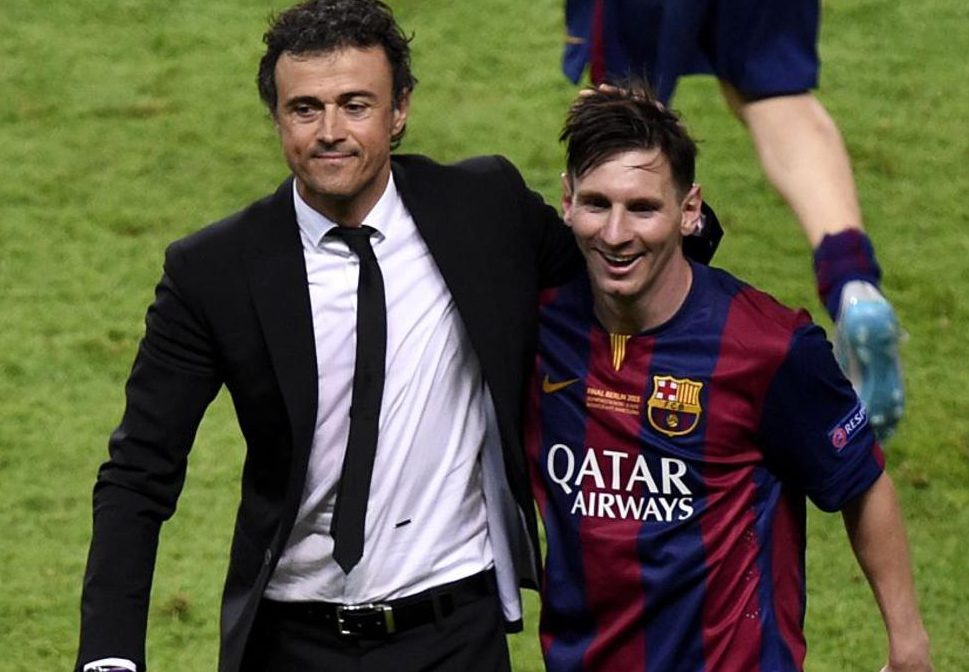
(379, 620)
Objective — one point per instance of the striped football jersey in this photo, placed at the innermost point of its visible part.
(671, 469)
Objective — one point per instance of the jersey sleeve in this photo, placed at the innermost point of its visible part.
(814, 428)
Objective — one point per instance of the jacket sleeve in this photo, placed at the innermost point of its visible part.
(172, 381)
(558, 256)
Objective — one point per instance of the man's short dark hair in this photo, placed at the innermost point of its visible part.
(323, 26)
(604, 122)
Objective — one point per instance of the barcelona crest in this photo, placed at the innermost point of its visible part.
(674, 406)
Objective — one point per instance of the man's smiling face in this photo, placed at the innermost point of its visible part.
(629, 221)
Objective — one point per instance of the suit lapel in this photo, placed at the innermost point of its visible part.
(280, 293)
(438, 218)
(442, 220)
(431, 212)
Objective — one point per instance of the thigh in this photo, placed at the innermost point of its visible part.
(472, 639)
(278, 643)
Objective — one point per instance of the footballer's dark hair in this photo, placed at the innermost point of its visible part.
(323, 26)
(603, 122)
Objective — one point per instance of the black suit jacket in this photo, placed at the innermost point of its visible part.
(233, 309)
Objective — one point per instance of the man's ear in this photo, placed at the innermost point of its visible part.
(690, 210)
(400, 112)
(567, 190)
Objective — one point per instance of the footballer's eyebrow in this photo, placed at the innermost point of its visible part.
(591, 197)
(594, 197)
(644, 204)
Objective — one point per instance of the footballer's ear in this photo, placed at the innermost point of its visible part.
(567, 192)
(690, 209)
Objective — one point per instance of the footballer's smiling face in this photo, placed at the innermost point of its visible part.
(629, 220)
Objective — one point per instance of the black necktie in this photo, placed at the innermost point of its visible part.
(350, 512)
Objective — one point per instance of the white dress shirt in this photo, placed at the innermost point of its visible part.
(426, 522)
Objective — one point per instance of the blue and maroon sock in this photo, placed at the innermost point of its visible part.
(839, 259)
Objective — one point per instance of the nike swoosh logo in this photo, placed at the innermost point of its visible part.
(548, 387)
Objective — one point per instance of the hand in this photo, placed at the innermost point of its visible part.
(925, 666)
(607, 88)
(598, 88)
(915, 659)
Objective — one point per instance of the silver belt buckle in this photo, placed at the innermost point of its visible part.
(380, 612)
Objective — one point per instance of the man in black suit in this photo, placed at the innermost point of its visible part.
(275, 302)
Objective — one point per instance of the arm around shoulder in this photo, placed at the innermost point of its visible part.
(876, 530)
(559, 259)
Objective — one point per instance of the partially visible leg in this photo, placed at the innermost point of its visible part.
(281, 642)
(804, 158)
(472, 639)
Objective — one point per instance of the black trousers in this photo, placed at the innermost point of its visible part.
(471, 639)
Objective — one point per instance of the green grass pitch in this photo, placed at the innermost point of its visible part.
(126, 123)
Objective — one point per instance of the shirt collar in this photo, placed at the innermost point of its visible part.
(313, 224)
